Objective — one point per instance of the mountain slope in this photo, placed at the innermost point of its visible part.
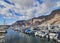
(53, 18)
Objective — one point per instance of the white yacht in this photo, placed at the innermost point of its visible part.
(41, 34)
(52, 36)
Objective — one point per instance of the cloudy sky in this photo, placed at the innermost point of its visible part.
(13, 10)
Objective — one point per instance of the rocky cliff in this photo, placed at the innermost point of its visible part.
(53, 18)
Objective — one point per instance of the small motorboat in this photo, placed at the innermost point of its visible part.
(52, 36)
(40, 33)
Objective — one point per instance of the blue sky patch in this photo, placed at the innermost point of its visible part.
(40, 1)
(2, 6)
(7, 1)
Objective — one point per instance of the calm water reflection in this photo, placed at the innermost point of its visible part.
(16, 37)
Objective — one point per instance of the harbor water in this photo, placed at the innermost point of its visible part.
(17, 37)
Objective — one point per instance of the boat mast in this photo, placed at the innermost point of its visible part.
(4, 21)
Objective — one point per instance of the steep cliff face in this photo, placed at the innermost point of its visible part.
(53, 18)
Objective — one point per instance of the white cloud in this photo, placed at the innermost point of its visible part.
(4, 11)
(58, 4)
(24, 3)
(27, 8)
